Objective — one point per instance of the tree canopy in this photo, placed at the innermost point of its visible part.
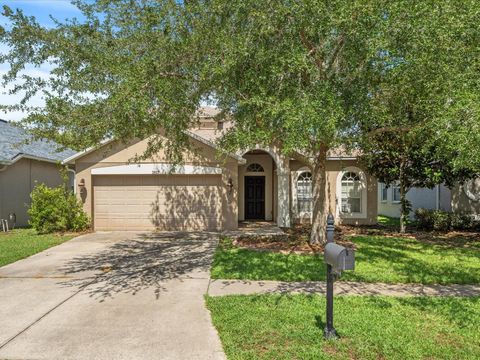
(123, 72)
(307, 76)
(420, 102)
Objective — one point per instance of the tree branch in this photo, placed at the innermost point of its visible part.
(386, 129)
(312, 50)
(336, 52)
(302, 158)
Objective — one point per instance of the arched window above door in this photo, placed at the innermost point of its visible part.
(254, 167)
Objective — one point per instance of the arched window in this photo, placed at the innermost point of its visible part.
(255, 168)
(351, 193)
(304, 192)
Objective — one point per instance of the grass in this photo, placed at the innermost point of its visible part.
(388, 221)
(378, 259)
(291, 327)
(21, 243)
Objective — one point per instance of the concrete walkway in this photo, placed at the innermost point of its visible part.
(246, 287)
(259, 229)
(112, 295)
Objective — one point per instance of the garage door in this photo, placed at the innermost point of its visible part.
(163, 202)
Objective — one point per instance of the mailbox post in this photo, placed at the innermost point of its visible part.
(338, 259)
(330, 332)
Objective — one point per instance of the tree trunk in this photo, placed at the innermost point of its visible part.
(403, 209)
(320, 208)
(404, 203)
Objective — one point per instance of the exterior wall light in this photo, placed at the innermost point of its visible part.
(82, 189)
(230, 185)
(12, 217)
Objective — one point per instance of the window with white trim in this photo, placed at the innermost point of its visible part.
(383, 192)
(304, 192)
(255, 168)
(351, 193)
(396, 193)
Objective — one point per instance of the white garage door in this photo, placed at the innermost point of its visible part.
(163, 202)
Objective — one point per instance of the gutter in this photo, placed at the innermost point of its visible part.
(21, 156)
(86, 151)
(194, 136)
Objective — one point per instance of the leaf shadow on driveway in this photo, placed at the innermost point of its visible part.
(144, 262)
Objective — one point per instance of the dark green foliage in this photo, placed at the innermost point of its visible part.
(462, 221)
(424, 107)
(443, 221)
(424, 218)
(56, 209)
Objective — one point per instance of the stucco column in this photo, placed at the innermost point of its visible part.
(283, 199)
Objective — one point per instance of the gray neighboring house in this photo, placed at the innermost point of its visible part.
(22, 165)
(438, 198)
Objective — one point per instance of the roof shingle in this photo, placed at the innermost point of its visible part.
(12, 145)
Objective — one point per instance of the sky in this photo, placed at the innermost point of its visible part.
(42, 10)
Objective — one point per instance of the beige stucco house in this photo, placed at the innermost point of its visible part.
(22, 166)
(212, 192)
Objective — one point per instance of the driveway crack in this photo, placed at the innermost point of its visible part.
(8, 341)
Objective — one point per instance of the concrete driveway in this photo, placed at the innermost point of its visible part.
(115, 295)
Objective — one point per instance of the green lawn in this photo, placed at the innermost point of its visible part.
(291, 327)
(378, 259)
(21, 243)
(388, 221)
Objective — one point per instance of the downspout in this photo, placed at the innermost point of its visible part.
(437, 205)
(274, 202)
(74, 180)
(2, 168)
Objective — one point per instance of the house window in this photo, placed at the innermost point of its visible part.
(383, 192)
(351, 193)
(255, 168)
(396, 193)
(304, 192)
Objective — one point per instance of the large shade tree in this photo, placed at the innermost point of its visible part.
(311, 76)
(121, 72)
(297, 74)
(424, 126)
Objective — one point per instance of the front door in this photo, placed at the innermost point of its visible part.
(254, 197)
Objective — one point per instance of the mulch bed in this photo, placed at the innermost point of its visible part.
(296, 242)
(297, 239)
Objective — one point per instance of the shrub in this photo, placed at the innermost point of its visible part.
(56, 209)
(462, 221)
(442, 221)
(424, 218)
